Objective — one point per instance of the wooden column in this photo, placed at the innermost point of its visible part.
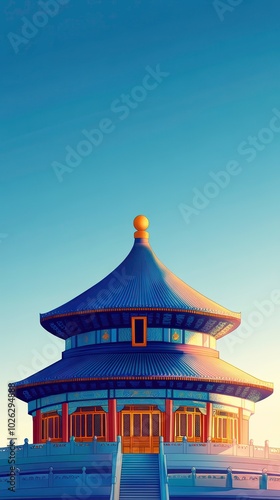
(169, 421)
(37, 427)
(65, 423)
(209, 420)
(204, 428)
(34, 429)
(245, 429)
(240, 438)
(112, 420)
(119, 423)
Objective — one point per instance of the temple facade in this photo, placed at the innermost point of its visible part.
(141, 362)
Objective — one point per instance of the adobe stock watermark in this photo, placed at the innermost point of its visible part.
(250, 148)
(51, 351)
(40, 360)
(263, 309)
(88, 484)
(117, 283)
(122, 107)
(223, 6)
(30, 27)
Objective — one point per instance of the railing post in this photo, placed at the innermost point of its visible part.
(193, 476)
(48, 446)
(263, 480)
(72, 445)
(25, 448)
(95, 445)
(229, 478)
(251, 448)
(208, 446)
(266, 449)
(50, 479)
(234, 445)
(17, 478)
(84, 475)
(185, 446)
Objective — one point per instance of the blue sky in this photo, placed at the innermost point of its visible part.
(60, 234)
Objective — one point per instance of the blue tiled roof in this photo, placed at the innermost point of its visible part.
(83, 364)
(140, 284)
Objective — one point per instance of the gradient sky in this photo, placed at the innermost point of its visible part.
(59, 238)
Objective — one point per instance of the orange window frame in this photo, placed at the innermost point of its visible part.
(134, 343)
(225, 427)
(79, 420)
(51, 420)
(191, 417)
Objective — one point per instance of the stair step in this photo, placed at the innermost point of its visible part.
(142, 494)
(130, 497)
(142, 474)
(140, 469)
(133, 480)
(140, 477)
(148, 490)
(133, 472)
(133, 492)
(139, 462)
(130, 479)
(134, 485)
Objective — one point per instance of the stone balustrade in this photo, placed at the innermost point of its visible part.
(234, 449)
(59, 449)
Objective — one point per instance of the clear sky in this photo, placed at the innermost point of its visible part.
(170, 92)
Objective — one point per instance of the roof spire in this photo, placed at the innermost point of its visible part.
(141, 223)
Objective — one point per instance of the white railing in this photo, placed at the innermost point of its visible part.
(91, 482)
(116, 471)
(83, 448)
(229, 480)
(76, 466)
(234, 449)
(164, 491)
(59, 449)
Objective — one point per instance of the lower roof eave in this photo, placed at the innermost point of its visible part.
(241, 389)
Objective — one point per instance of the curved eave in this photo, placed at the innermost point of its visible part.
(242, 390)
(182, 370)
(141, 283)
(73, 323)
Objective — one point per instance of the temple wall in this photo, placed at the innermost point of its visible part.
(116, 335)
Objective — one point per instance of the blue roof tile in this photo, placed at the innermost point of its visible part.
(140, 284)
(164, 365)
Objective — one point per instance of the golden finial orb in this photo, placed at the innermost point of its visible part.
(141, 223)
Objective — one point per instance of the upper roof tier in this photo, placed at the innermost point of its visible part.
(140, 286)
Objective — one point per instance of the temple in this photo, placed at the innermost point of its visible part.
(141, 363)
